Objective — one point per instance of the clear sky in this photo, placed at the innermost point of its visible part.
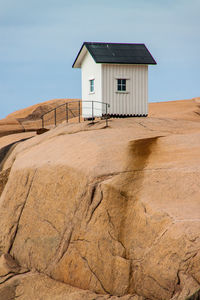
(39, 40)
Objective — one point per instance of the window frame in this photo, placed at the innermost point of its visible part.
(91, 86)
(121, 85)
(127, 84)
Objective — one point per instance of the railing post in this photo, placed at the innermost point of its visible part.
(42, 121)
(79, 111)
(106, 115)
(55, 116)
(92, 110)
(67, 112)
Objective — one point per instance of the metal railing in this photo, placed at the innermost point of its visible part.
(74, 109)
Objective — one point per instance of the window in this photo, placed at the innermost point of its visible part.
(92, 86)
(121, 85)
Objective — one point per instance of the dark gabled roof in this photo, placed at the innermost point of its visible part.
(117, 53)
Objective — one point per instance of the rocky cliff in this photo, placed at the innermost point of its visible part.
(88, 212)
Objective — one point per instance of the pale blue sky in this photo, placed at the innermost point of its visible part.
(39, 40)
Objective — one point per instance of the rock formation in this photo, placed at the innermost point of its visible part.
(88, 212)
(29, 119)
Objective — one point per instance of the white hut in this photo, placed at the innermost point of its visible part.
(116, 74)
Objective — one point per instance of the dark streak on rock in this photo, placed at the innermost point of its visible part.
(95, 206)
(85, 259)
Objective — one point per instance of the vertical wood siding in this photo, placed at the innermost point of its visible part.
(135, 101)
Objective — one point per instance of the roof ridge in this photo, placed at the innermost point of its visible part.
(105, 43)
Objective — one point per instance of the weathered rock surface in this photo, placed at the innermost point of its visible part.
(112, 211)
(35, 286)
(178, 110)
(8, 265)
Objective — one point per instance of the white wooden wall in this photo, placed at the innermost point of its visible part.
(135, 100)
(91, 70)
(132, 102)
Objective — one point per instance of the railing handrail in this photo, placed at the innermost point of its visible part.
(70, 109)
(77, 101)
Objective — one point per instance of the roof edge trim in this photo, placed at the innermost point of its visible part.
(80, 56)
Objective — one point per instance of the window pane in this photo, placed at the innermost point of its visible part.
(119, 87)
(92, 85)
(121, 84)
